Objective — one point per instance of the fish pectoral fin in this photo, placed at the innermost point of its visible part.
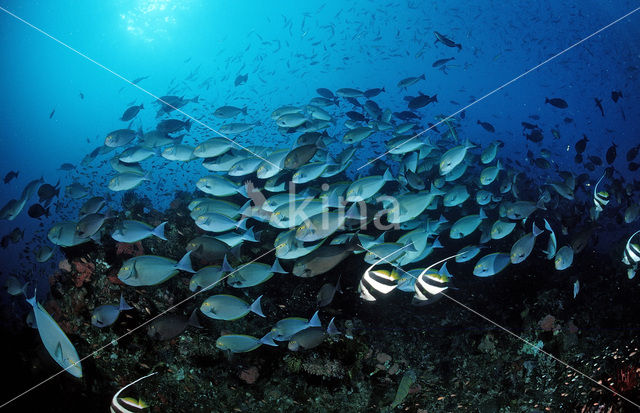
(58, 353)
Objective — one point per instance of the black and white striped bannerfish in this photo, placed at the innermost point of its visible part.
(128, 404)
(631, 256)
(429, 285)
(382, 281)
(600, 199)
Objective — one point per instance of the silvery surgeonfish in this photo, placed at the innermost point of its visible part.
(522, 248)
(55, 340)
(468, 253)
(631, 256)
(133, 231)
(107, 314)
(466, 225)
(312, 337)
(327, 292)
(253, 273)
(564, 258)
(228, 307)
(552, 244)
(491, 264)
(240, 343)
(284, 329)
(147, 270)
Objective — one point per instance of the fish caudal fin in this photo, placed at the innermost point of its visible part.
(185, 263)
(256, 307)
(159, 231)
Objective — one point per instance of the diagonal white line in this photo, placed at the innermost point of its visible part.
(504, 85)
(135, 85)
(506, 330)
(114, 341)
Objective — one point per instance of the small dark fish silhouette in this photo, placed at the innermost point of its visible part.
(406, 115)
(487, 126)
(632, 153)
(37, 210)
(354, 101)
(441, 62)
(633, 166)
(131, 113)
(596, 160)
(611, 153)
(599, 105)
(81, 95)
(10, 176)
(557, 102)
(578, 158)
(371, 93)
(51, 114)
(325, 93)
(241, 80)
(421, 101)
(581, 145)
(139, 79)
(615, 95)
(446, 41)
(358, 117)
(568, 120)
(535, 136)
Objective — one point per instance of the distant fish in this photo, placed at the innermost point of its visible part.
(406, 82)
(581, 145)
(81, 95)
(169, 326)
(576, 288)
(131, 113)
(487, 126)
(139, 79)
(371, 93)
(611, 153)
(599, 105)
(37, 211)
(52, 113)
(325, 93)
(631, 155)
(326, 293)
(421, 101)
(557, 102)
(105, 315)
(241, 80)
(10, 176)
(535, 136)
(446, 41)
(441, 62)
(615, 95)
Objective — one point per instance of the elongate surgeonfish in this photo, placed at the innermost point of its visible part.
(151, 269)
(55, 340)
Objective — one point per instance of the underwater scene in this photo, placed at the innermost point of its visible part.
(320, 206)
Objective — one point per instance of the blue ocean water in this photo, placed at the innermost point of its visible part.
(62, 96)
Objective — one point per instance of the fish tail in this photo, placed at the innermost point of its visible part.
(185, 263)
(256, 307)
(159, 231)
